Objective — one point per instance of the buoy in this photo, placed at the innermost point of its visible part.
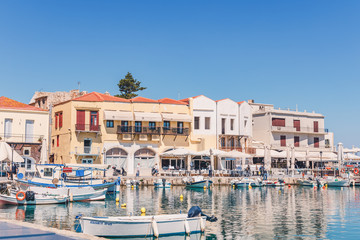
(187, 227)
(233, 186)
(123, 205)
(314, 187)
(250, 187)
(117, 199)
(143, 214)
(289, 186)
(181, 196)
(204, 187)
(132, 186)
(117, 204)
(323, 187)
(155, 228)
(143, 210)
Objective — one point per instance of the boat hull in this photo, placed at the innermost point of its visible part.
(38, 201)
(161, 185)
(141, 226)
(343, 183)
(199, 184)
(307, 183)
(247, 184)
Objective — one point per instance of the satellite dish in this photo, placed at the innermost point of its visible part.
(55, 181)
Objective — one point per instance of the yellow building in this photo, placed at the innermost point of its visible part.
(102, 129)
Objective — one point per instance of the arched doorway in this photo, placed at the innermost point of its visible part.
(116, 157)
(146, 158)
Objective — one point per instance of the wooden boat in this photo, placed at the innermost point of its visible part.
(307, 182)
(276, 183)
(142, 226)
(162, 183)
(197, 182)
(337, 182)
(246, 182)
(75, 193)
(39, 199)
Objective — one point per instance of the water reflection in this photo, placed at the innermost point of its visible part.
(258, 213)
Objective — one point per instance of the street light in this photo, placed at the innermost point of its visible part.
(321, 163)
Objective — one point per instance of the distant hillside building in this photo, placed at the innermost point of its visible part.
(44, 100)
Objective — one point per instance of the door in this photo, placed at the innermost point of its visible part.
(94, 121)
(80, 120)
(297, 125)
(180, 127)
(316, 126)
(29, 131)
(87, 146)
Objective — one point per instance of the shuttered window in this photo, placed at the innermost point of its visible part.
(316, 142)
(296, 141)
(278, 122)
(283, 141)
(316, 126)
(297, 125)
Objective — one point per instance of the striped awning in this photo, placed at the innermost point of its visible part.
(150, 117)
(117, 115)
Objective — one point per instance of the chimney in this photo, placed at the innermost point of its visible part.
(251, 101)
(107, 93)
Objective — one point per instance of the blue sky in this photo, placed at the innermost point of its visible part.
(288, 53)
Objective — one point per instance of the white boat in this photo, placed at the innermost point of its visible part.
(75, 193)
(246, 182)
(307, 182)
(197, 182)
(162, 183)
(141, 226)
(276, 183)
(337, 182)
(38, 199)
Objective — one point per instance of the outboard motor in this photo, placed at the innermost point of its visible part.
(196, 211)
(30, 196)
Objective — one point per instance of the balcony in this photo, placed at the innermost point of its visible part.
(124, 129)
(21, 138)
(87, 151)
(292, 129)
(231, 148)
(175, 131)
(87, 128)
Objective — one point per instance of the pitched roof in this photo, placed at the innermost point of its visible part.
(8, 103)
(222, 100)
(171, 101)
(99, 97)
(241, 102)
(143, 100)
(187, 99)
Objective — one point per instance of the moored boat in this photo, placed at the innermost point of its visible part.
(307, 182)
(22, 198)
(276, 183)
(197, 182)
(246, 182)
(162, 183)
(337, 182)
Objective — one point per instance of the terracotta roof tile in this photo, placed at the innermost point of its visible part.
(143, 100)
(171, 101)
(241, 102)
(7, 103)
(187, 99)
(99, 97)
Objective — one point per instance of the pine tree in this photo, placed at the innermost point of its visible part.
(128, 87)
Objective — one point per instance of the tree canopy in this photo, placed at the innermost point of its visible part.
(128, 87)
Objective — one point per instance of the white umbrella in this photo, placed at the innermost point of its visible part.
(215, 152)
(351, 150)
(351, 156)
(267, 158)
(7, 153)
(178, 152)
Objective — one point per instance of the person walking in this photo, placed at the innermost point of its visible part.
(138, 170)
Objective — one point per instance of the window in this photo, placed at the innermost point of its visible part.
(57, 140)
(94, 123)
(232, 142)
(27, 151)
(316, 142)
(222, 142)
(245, 123)
(53, 143)
(223, 121)
(297, 125)
(296, 141)
(278, 122)
(8, 128)
(87, 145)
(80, 120)
(138, 126)
(316, 126)
(152, 125)
(196, 122)
(124, 126)
(166, 125)
(232, 124)
(207, 123)
(48, 172)
(283, 141)
(110, 123)
(87, 161)
(56, 120)
(180, 127)
(60, 119)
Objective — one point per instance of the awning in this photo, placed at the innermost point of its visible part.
(151, 117)
(8, 154)
(179, 152)
(117, 115)
(176, 117)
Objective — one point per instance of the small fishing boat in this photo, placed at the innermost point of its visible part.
(145, 226)
(337, 182)
(246, 182)
(75, 193)
(162, 183)
(197, 182)
(30, 198)
(276, 183)
(307, 182)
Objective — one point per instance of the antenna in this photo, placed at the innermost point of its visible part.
(79, 86)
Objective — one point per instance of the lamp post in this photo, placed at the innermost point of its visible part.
(321, 163)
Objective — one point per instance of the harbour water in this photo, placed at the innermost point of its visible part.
(257, 213)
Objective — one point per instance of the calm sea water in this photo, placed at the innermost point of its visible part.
(257, 213)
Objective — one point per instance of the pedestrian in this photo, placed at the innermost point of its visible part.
(8, 170)
(138, 170)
